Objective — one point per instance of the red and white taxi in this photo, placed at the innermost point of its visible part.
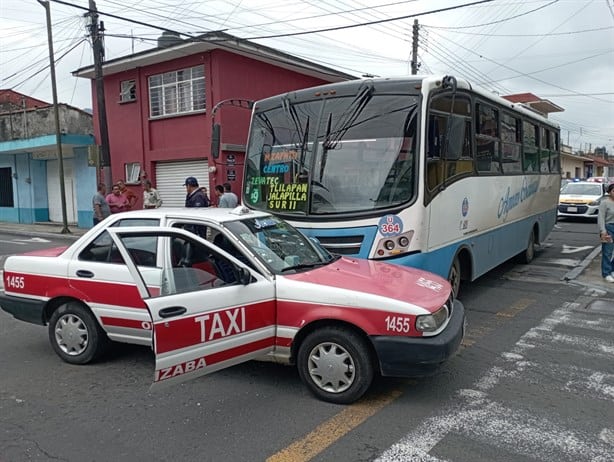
(210, 288)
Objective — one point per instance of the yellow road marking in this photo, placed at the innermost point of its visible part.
(474, 333)
(333, 429)
(516, 308)
(352, 416)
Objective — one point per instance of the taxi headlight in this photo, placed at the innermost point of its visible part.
(432, 322)
(595, 202)
(389, 245)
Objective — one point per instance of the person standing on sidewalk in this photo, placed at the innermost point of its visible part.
(151, 197)
(605, 221)
(100, 204)
(116, 201)
(195, 198)
(127, 194)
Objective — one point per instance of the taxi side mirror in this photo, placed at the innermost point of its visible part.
(244, 276)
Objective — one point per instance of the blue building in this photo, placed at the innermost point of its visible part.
(29, 165)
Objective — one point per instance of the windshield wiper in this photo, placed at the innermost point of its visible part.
(347, 119)
(305, 266)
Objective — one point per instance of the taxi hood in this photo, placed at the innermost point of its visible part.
(355, 275)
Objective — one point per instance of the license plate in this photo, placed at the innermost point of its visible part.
(572, 209)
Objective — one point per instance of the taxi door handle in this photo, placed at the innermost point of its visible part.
(172, 311)
(85, 274)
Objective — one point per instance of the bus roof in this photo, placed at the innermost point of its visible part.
(421, 83)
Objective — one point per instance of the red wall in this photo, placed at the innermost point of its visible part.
(133, 137)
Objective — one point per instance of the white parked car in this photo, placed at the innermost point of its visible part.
(209, 288)
(580, 199)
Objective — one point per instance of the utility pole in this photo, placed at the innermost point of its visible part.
(56, 113)
(414, 48)
(98, 50)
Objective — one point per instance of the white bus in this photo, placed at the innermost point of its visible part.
(428, 172)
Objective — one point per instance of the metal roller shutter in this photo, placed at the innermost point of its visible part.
(170, 177)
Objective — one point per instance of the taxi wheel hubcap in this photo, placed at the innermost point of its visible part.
(331, 367)
(71, 335)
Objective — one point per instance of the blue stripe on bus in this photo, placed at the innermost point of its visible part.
(487, 250)
(367, 233)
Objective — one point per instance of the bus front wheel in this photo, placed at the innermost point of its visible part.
(454, 277)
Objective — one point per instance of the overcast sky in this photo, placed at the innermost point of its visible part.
(561, 50)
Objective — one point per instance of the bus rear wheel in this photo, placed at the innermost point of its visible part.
(527, 255)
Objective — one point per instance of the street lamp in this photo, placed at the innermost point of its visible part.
(58, 134)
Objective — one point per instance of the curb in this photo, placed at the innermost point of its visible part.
(54, 235)
(575, 272)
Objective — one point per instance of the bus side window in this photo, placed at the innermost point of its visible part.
(434, 146)
(434, 163)
(530, 147)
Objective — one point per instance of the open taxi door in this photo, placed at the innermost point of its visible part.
(203, 318)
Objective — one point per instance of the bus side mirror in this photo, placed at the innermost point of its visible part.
(215, 140)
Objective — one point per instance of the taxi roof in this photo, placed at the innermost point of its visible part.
(216, 214)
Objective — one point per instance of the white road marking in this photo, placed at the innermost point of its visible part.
(33, 239)
(13, 242)
(530, 433)
(573, 249)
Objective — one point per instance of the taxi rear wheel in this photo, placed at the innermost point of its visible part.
(335, 364)
(75, 335)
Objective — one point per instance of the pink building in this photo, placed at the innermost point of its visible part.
(160, 104)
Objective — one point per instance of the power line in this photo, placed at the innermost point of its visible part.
(497, 22)
(370, 23)
(551, 34)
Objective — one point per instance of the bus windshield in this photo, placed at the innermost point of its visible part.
(342, 155)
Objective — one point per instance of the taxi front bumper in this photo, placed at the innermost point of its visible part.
(416, 356)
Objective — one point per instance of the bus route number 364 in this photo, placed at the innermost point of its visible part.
(398, 324)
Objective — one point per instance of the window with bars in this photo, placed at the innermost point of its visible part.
(177, 92)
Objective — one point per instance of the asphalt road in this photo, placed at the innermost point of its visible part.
(534, 381)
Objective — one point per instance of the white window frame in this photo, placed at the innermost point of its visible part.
(133, 172)
(177, 92)
(127, 91)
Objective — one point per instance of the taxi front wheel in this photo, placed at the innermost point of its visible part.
(336, 364)
(75, 335)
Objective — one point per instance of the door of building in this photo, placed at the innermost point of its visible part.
(170, 177)
(54, 192)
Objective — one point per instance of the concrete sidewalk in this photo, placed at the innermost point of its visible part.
(587, 274)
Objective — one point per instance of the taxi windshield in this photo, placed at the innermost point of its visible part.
(585, 189)
(282, 248)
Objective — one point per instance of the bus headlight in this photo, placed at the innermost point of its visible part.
(432, 322)
(391, 246)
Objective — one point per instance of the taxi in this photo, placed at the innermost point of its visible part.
(580, 199)
(208, 288)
